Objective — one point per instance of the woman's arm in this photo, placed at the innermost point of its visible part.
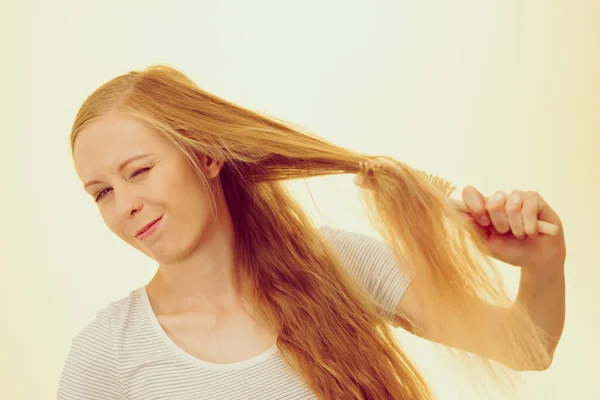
(542, 295)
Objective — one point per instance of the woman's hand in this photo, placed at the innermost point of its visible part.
(508, 225)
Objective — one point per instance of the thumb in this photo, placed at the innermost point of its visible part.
(482, 232)
(361, 181)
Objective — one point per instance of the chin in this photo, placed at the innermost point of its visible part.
(165, 251)
(165, 255)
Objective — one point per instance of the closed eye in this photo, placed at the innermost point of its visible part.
(138, 172)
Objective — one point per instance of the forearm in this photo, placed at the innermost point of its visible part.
(542, 294)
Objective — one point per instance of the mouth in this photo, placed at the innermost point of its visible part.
(148, 229)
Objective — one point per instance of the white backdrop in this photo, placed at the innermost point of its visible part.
(500, 95)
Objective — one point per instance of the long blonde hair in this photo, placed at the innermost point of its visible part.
(328, 327)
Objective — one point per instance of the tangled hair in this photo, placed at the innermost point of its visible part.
(329, 329)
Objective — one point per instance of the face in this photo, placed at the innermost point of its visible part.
(136, 178)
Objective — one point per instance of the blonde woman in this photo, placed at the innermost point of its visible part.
(252, 301)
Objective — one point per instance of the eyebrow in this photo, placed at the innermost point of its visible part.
(121, 166)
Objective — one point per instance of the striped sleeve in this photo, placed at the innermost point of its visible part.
(91, 369)
(372, 262)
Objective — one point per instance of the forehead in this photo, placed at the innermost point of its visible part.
(104, 144)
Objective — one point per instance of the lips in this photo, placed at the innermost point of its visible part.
(145, 228)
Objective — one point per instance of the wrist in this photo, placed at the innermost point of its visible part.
(544, 273)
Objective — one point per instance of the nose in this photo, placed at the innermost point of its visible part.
(127, 203)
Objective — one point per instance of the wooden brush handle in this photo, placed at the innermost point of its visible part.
(543, 226)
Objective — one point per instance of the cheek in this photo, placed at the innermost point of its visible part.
(193, 208)
(168, 185)
(187, 190)
(114, 225)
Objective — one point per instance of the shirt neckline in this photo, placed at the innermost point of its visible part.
(143, 295)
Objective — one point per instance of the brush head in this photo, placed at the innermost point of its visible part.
(444, 186)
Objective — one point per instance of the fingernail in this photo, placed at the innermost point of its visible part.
(485, 221)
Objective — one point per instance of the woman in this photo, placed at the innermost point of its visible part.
(250, 300)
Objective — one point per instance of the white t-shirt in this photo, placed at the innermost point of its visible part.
(125, 354)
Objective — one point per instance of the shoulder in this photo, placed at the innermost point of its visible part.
(352, 240)
(369, 258)
(91, 368)
(357, 248)
(108, 321)
(374, 265)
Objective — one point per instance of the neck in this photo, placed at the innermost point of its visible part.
(204, 279)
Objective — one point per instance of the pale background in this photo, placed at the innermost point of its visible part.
(497, 94)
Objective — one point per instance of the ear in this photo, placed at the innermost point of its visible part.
(211, 166)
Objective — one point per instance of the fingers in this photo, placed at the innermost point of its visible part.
(513, 209)
(363, 181)
(516, 213)
(359, 180)
(496, 209)
(481, 231)
(531, 207)
(475, 203)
